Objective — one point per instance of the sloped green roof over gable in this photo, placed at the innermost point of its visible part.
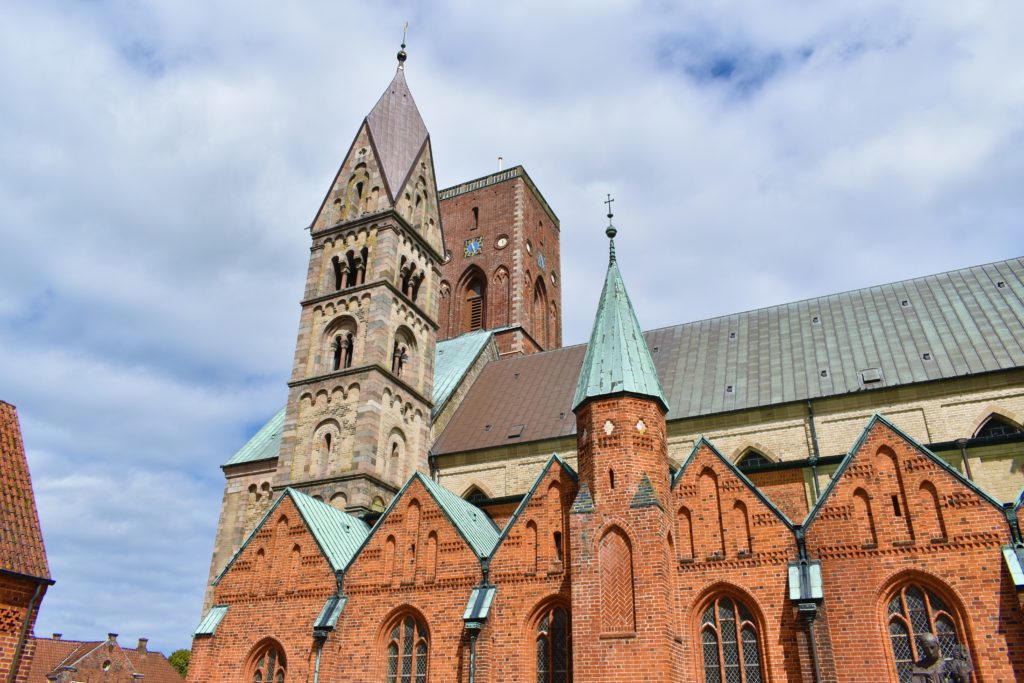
(338, 534)
(617, 359)
(452, 361)
(263, 445)
(480, 532)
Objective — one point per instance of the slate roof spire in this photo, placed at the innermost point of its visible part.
(397, 130)
(617, 359)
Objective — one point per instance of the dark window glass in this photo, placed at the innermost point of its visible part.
(407, 653)
(752, 460)
(553, 647)
(729, 640)
(914, 611)
(997, 426)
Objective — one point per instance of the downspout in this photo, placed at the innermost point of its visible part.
(815, 451)
(474, 631)
(321, 636)
(1010, 510)
(962, 443)
(432, 465)
(808, 610)
(319, 649)
(23, 635)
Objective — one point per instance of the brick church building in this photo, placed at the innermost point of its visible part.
(791, 494)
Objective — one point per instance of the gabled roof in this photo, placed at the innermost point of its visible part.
(525, 502)
(879, 419)
(617, 359)
(49, 654)
(264, 444)
(479, 530)
(452, 361)
(735, 470)
(398, 133)
(338, 534)
(21, 540)
(967, 322)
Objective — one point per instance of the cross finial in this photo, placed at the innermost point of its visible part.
(610, 231)
(402, 56)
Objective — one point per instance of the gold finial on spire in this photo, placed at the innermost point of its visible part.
(610, 231)
(402, 56)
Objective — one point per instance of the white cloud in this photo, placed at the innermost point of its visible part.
(161, 158)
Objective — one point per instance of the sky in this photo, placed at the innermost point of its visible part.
(159, 161)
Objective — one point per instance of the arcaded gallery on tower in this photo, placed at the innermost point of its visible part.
(826, 490)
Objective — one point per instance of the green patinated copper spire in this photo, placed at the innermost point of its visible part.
(617, 360)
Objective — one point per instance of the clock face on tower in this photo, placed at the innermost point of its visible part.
(474, 247)
(501, 242)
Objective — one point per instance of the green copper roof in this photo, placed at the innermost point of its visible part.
(338, 534)
(263, 445)
(477, 528)
(211, 620)
(452, 361)
(617, 359)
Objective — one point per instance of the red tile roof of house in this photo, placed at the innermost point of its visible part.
(52, 653)
(21, 541)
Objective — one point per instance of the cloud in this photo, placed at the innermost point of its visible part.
(161, 160)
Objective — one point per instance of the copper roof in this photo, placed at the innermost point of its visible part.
(49, 654)
(952, 324)
(21, 541)
(398, 133)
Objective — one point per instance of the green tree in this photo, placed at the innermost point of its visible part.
(179, 660)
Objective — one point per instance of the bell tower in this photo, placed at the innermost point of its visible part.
(358, 415)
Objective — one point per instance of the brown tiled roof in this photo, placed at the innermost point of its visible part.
(21, 541)
(398, 133)
(50, 654)
(954, 324)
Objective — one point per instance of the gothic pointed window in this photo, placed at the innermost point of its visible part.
(407, 652)
(474, 304)
(553, 640)
(997, 426)
(730, 643)
(752, 460)
(913, 611)
(268, 665)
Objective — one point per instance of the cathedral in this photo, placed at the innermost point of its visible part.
(826, 490)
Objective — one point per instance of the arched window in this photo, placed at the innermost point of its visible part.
(553, 646)
(268, 665)
(997, 426)
(407, 652)
(474, 495)
(752, 460)
(730, 643)
(913, 611)
(474, 304)
(343, 351)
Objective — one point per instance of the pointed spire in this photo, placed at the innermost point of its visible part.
(397, 130)
(617, 360)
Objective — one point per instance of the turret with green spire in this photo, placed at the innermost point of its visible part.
(617, 360)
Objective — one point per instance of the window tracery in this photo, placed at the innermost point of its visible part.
(553, 646)
(407, 652)
(914, 610)
(730, 643)
(268, 665)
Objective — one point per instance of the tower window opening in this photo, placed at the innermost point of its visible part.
(327, 442)
(896, 509)
(611, 478)
(338, 352)
(558, 545)
(476, 218)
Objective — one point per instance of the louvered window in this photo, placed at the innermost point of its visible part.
(729, 643)
(476, 313)
(914, 611)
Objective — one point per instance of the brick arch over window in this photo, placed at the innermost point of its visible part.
(472, 300)
(266, 663)
(752, 456)
(550, 635)
(731, 638)
(615, 557)
(539, 312)
(405, 648)
(501, 297)
(913, 606)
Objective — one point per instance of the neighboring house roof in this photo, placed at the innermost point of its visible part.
(49, 654)
(967, 321)
(398, 133)
(264, 444)
(338, 534)
(21, 540)
(617, 359)
(452, 360)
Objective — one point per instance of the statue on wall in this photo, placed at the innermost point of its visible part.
(932, 668)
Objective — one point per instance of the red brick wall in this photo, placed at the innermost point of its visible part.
(745, 560)
(785, 488)
(271, 597)
(862, 569)
(15, 596)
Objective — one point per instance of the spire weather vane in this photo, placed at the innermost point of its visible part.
(610, 231)
(401, 53)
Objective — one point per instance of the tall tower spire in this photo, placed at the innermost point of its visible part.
(357, 424)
